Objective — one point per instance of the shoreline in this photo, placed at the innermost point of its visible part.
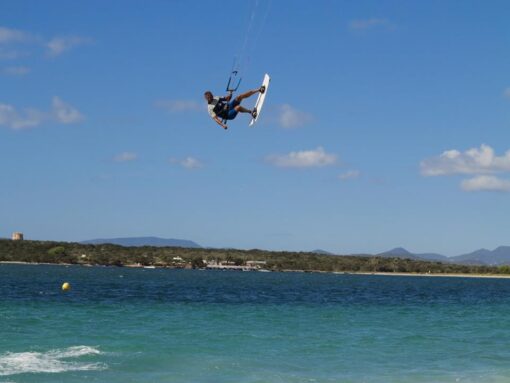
(501, 276)
(366, 273)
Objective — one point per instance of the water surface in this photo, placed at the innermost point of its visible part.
(144, 325)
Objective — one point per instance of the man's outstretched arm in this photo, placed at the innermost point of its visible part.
(220, 123)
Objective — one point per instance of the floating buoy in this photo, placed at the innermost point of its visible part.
(66, 286)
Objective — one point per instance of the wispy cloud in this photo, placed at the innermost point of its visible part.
(65, 113)
(11, 40)
(506, 92)
(125, 157)
(350, 174)
(175, 106)
(189, 163)
(365, 24)
(289, 117)
(473, 161)
(486, 183)
(16, 71)
(17, 120)
(303, 159)
(8, 36)
(25, 118)
(60, 44)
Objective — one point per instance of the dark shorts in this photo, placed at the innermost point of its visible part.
(232, 113)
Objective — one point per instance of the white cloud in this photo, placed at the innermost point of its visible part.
(125, 156)
(486, 183)
(303, 159)
(174, 106)
(189, 163)
(15, 119)
(11, 39)
(481, 162)
(8, 35)
(364, 24)
(65, 113)
(506, 92)
(350, 174)
(289, 117)
(58, 45)
(16, 71)
(473, 161)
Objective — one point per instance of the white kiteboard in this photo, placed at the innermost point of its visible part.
(260, 99)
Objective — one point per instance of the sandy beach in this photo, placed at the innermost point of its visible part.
(500, 276)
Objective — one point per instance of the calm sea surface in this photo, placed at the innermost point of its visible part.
(142, 325)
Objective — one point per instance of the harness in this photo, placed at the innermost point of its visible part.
(220, 108)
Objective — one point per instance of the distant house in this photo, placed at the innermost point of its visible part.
(17, 236)
(179, 262)
(255, 263)
(229, 265)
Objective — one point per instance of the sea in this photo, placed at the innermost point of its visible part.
(119, 324)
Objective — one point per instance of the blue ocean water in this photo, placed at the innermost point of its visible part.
(156, 325)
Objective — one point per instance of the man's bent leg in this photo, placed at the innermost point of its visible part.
(242, 109)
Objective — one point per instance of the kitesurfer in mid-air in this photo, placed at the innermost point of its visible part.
(224, 108)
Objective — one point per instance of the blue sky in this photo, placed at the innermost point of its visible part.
(386, 124)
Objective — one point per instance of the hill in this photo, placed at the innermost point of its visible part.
(144, 241)
(498, 256)
(115, 255)
(400, 252)
(323, 252)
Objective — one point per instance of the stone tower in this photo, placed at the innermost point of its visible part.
(17, 236)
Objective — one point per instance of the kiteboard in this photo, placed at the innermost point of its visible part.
(260, 99)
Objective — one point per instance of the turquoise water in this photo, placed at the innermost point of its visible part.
(142, 325)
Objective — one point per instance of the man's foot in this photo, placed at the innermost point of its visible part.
(262, 89)
(254, 113)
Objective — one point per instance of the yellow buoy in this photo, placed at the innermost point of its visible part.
(66, 286)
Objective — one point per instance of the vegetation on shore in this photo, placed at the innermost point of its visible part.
(114, 255)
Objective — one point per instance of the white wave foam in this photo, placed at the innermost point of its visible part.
(12, 363)
(73, 352)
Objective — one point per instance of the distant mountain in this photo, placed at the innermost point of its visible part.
(475, 258)
(498, 256)
(321, 252)
(144, 241)
(397, 251)
(400, 252)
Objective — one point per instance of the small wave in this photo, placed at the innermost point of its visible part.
(73, 352)
(12, 363)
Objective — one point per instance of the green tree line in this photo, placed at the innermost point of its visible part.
(114, 255)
